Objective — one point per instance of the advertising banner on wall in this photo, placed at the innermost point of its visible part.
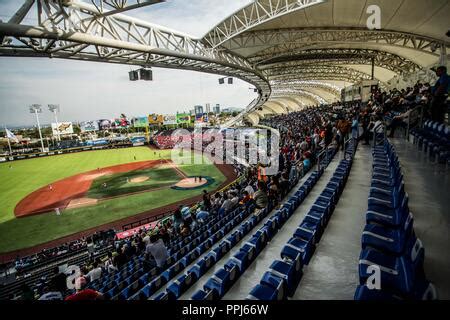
(104, 124)
(62, 128)
(168, 120)
(138, 141)
(155, 119)
(140, 122)
(119, 123)
(201, 118)
(183, 118)
(89, 126)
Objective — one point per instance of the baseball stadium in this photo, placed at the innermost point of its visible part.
(247, 150)
(94, 190)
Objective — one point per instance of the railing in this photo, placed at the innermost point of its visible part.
(346, 144)
(415, 119)
(320, 157)
(380, 137)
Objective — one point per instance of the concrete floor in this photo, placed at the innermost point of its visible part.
(333, 270)
(428, 186)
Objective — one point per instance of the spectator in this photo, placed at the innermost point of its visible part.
(27, 293)
(84, 294)
(247, 198)
(121, 258)
(227, 204)
(158, 250)
(260, 196)
(95, 273)
(146, 239)
(234, 199)
(52, 293)
(396, 122)
(177, 219)
(59, 280)
(206, 200)
(110, 264)
(355, 127)
(202, 215)
(440, 95)
(250, 190)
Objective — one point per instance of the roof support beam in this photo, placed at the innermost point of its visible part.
(256, 13)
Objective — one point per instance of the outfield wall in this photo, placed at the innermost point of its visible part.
(66, 151)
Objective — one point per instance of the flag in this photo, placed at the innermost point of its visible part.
(11, 135)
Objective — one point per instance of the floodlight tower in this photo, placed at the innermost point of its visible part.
(36, 109)
(55, 109)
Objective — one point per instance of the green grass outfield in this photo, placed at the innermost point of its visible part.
(26, 176)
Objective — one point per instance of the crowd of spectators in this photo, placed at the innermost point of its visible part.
(303, 135)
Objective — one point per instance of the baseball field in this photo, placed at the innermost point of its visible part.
(91, 189)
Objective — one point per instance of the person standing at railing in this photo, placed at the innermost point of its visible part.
(440, 94)
(396, 122)
(355, 127)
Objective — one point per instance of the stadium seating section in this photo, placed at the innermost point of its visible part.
(389, 243)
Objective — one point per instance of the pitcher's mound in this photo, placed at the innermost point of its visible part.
(81, 202)
(191, 183)
(139, 179)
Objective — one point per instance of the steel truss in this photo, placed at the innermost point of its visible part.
(381, 59)
(110, 7)
(292, 86)
(301, 93)
(256, 13)
(281, 41)
(301, 72)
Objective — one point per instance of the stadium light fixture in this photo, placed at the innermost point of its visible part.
(55, 109)
(36, 109)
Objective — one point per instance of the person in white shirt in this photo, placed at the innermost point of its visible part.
(95, 273)
(158, 250)
(109, 264)
(52, 293)
(146, 240)
(378, 127)
(250, 190)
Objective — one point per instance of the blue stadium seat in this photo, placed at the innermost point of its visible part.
(286, 271)
(182, 283)
(166, 295)
(387, 239)
(398, 274)
(296, 246)
(220, 282)
(205, 295)
(271, 287)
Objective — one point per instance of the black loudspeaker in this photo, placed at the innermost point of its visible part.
(221, 81)
(134, 76)
(149, 75)
(230, 80)
(146, 75)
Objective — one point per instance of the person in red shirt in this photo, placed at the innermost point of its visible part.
(84, 294)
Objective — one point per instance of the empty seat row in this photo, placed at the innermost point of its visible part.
(392, 257)
(224, 278)
(434, 139)
(283, 276)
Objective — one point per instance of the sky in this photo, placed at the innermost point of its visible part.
(89, 90)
